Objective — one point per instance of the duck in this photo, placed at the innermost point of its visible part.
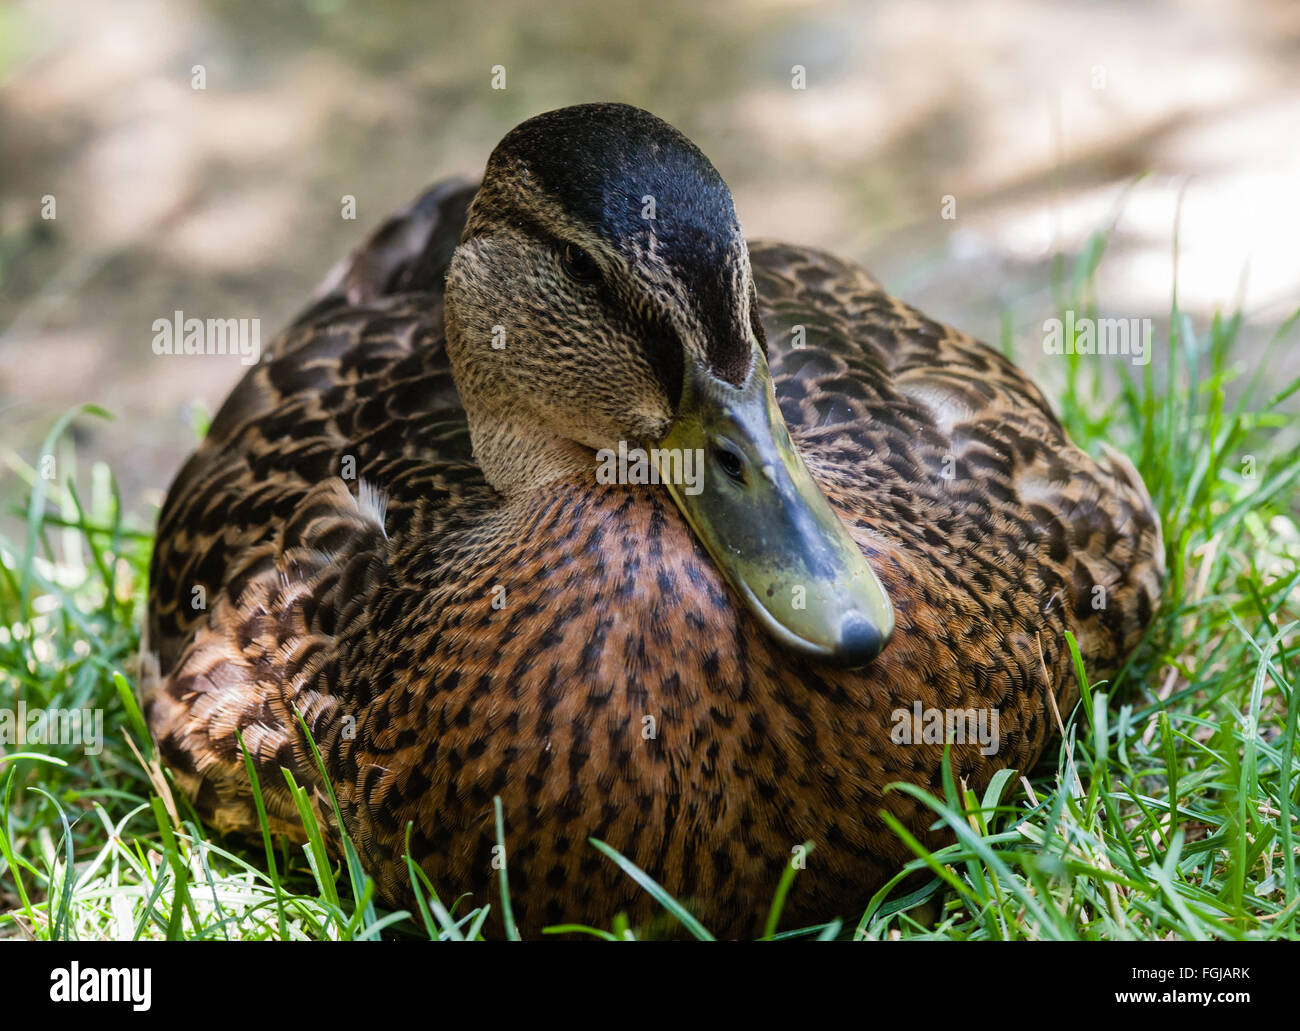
(563, 496)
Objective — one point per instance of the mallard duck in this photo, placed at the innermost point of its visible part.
(563, 493)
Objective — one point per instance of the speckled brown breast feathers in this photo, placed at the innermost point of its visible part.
(333, 548)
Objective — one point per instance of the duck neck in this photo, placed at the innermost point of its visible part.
(518, 454)
(520, 460)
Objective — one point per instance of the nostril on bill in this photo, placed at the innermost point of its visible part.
(730, 461)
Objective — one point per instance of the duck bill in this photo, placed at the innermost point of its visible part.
(767, 525)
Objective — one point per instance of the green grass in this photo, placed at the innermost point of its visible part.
(1167, 810)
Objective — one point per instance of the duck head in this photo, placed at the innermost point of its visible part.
(601, 300)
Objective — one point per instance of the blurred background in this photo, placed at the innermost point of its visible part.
(1046, 123)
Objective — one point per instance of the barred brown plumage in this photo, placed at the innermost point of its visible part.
(349, 522)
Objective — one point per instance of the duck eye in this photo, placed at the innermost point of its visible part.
(578, 264)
